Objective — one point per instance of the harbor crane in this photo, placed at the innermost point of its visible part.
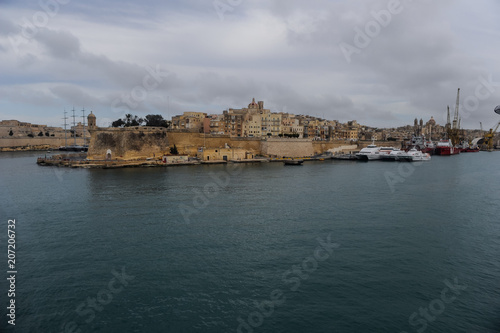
(453, 129)
(488, 137)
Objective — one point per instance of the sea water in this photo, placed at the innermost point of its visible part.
(329, 246)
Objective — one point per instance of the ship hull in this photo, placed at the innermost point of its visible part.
(430, 151)
(445, 151)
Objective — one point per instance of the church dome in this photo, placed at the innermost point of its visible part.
(253, 105)
(431, 121)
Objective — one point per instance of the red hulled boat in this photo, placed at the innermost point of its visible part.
(444, 147)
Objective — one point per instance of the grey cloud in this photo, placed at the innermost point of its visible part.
(74, 95)
(7, 27)
(59, 44)
(412, 68)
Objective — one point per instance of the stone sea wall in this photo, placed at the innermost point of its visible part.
(128, 143)
(26, 142)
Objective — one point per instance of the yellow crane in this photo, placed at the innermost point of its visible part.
(488, 137)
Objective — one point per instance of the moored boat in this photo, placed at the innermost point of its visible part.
(370, 152)
(413, 155)
(392, 155)
(293, 162)
(429, 148)
(471, 150)
(444, 147)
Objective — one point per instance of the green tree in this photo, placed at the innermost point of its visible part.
(40, 134)
(173, 150)
(11, 133)
(155, 120)
(128, 121)
(132, 120)
(118, 123)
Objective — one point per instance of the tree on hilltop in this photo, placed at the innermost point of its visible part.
(128, 121)
(118, 123)
(153, 120)
(156, 120)
(132, 120)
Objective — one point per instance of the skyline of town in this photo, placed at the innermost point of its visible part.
(256, 121)
(52, 121)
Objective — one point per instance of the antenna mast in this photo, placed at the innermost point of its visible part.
(83, 122)
(65, 133)
(455, 117)
(74, 125)
(448, 123)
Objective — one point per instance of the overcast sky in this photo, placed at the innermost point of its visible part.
(381, 62)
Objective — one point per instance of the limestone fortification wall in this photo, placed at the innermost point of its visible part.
(189, 142)
(146, 142)
(127, 143)
(52, 142)
(287, 147)
(320, 147)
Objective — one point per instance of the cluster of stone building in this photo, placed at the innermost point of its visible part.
(18, 135)
(19, 129)
(255, 121)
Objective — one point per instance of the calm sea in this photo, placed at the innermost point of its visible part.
(332, 246)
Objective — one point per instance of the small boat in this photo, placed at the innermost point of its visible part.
(293, 162)
(344, 157)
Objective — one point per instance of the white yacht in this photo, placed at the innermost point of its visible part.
(370, 152)
(390, 153)
(413, 155)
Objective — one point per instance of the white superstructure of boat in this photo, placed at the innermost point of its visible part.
(413, 155)
(391, 154)
(370, 152)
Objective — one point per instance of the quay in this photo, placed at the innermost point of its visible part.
(80, 161)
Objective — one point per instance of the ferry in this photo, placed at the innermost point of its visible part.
(370, 152)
